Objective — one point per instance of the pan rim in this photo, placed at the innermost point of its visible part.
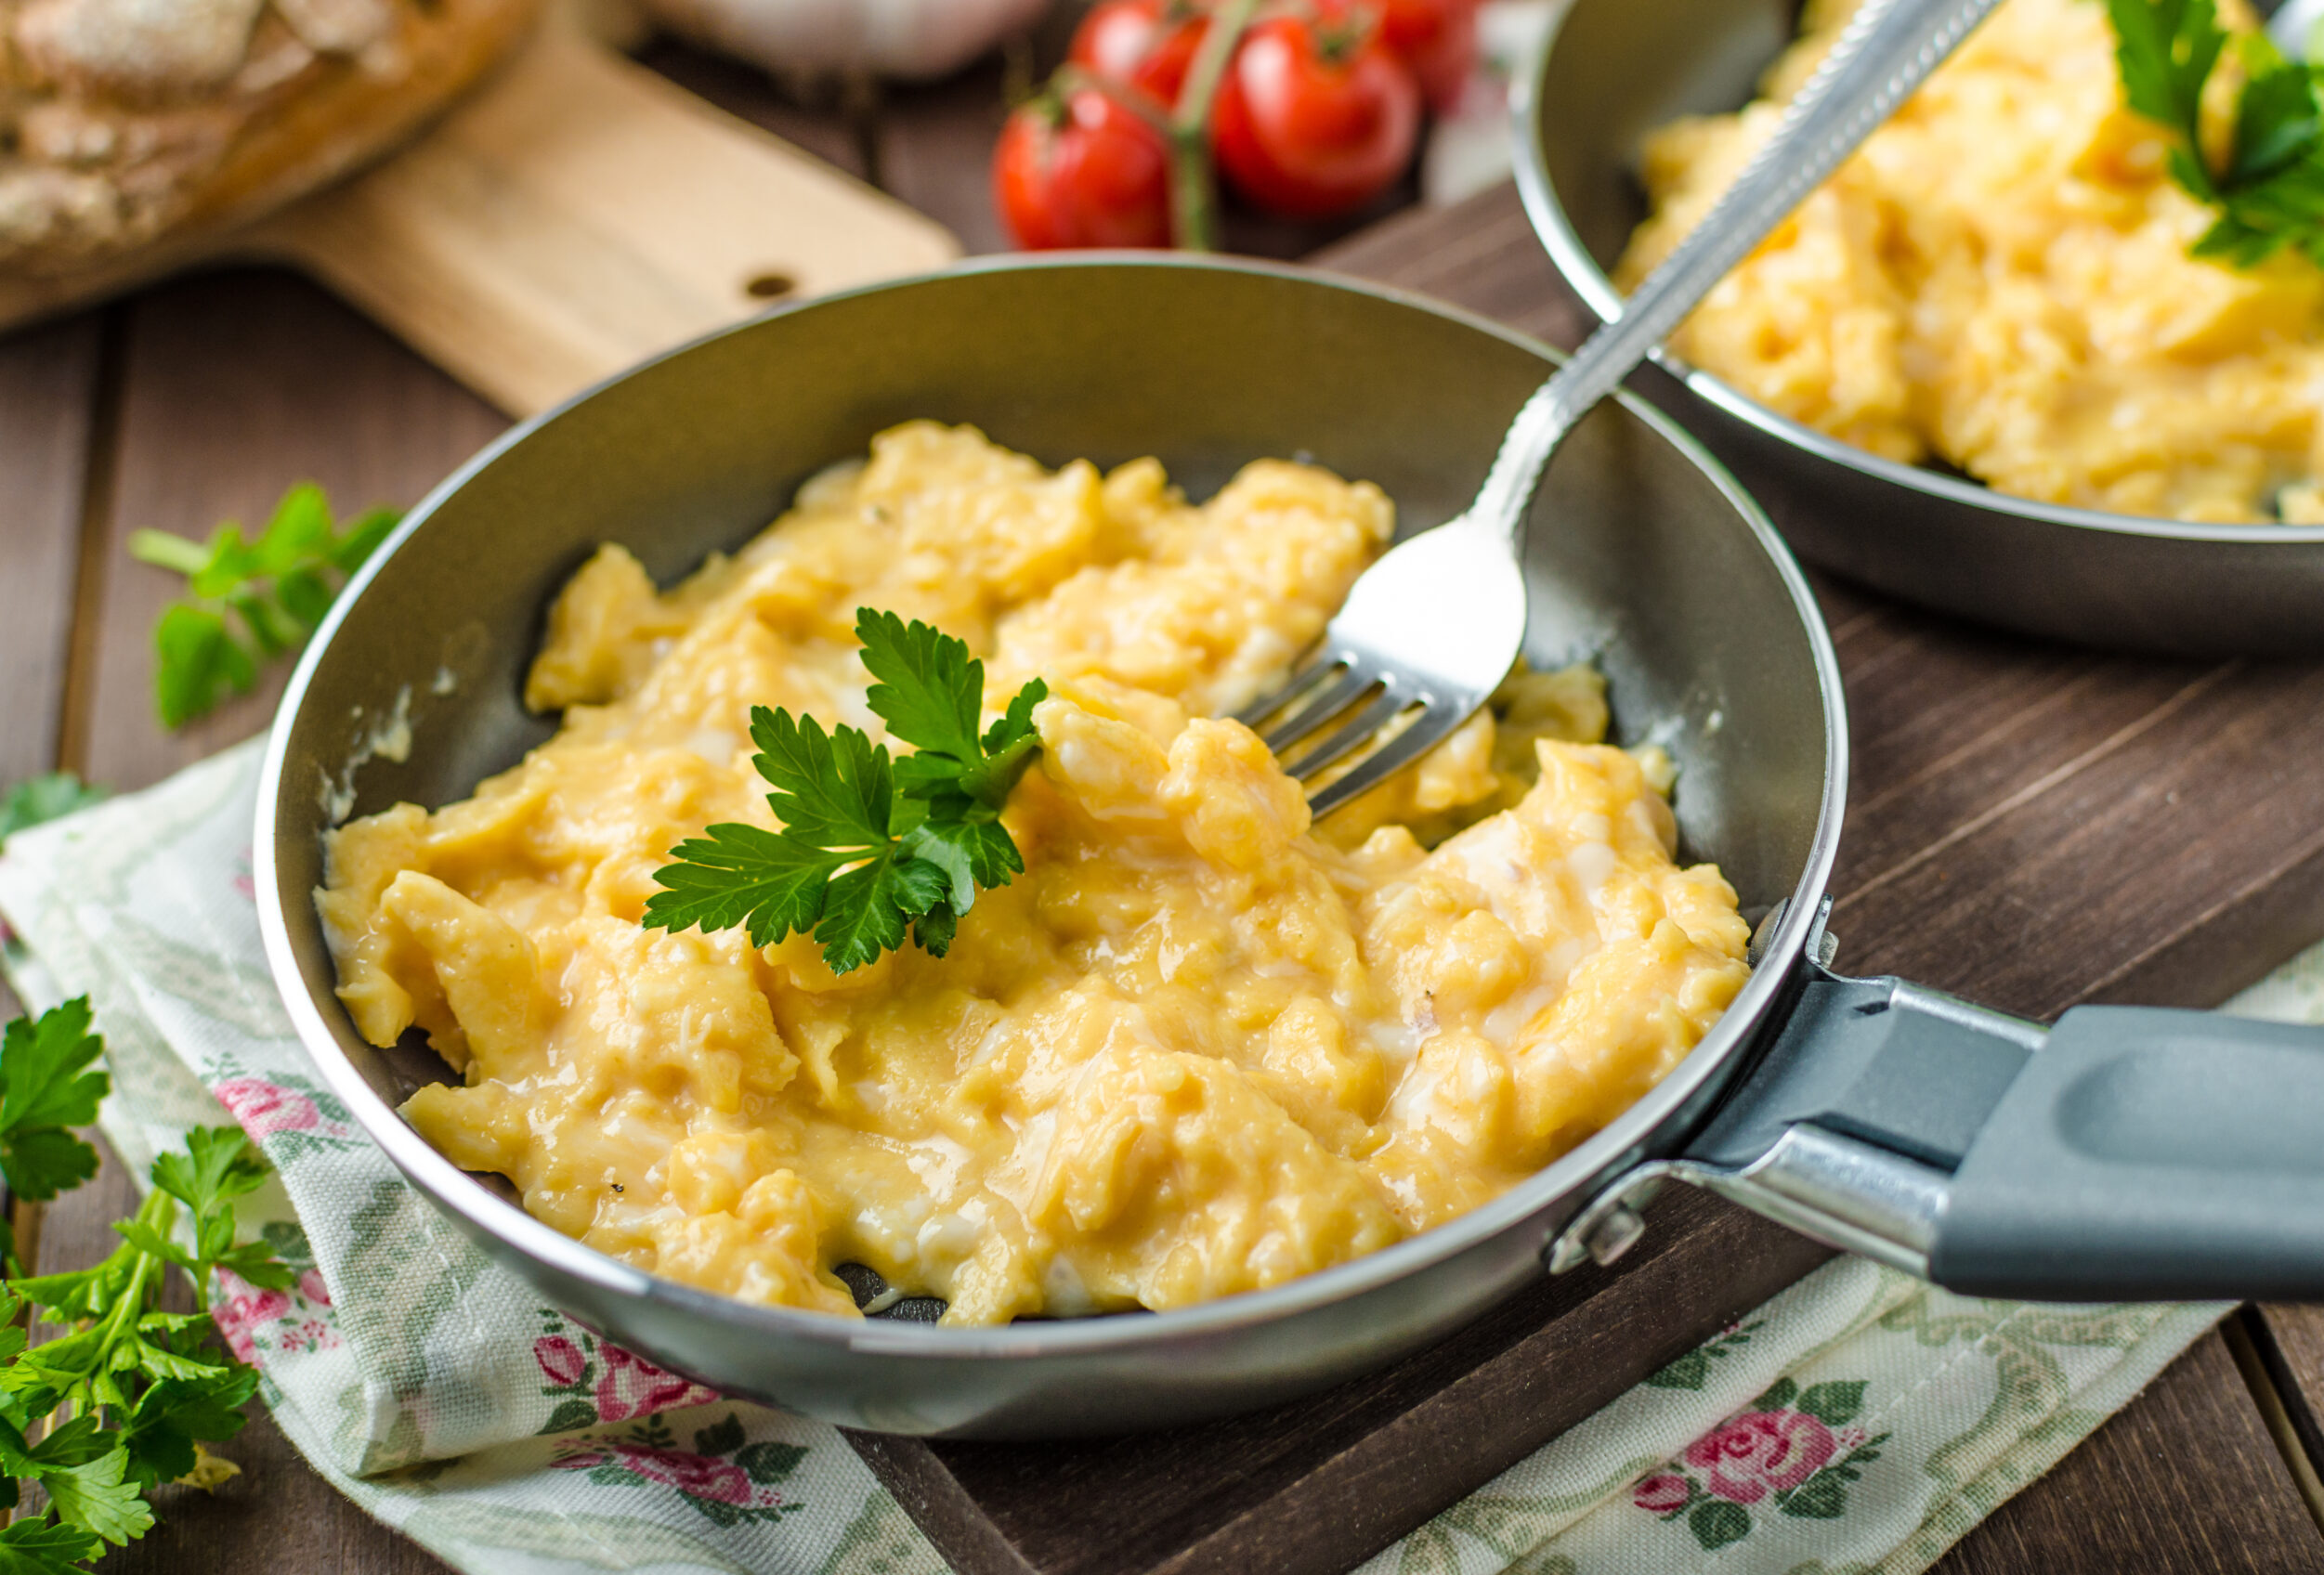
(1580, 269)
(1646, 1127)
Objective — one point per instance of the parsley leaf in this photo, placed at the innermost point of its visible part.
(836, 790)
(252, 601)
(871, 848)
(43, 1548)
(177, 1414)
(929, 694)
(40, 799)
(2269, 192)
(94, 1498)
(46, 1087)
(218, 1164)
(735, 875)
(2165, 50)
(129, 1392)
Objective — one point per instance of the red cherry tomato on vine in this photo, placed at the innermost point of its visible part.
(1082, 170)
(1437, 39)
(1142, 44)
(1314, 116)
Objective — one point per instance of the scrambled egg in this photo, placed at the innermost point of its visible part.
(1195, 1048)
(2000, 279)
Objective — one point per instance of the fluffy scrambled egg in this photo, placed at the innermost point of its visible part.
(1197, 1047)
(2000, 279)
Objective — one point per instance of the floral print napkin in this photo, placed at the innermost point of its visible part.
(1861, 1421)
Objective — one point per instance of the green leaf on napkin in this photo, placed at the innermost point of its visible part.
(1834, 1404)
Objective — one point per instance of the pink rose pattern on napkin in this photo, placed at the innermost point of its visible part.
(723, 1476)
(1792, 1452)
(287, 1116)
(593, 1382)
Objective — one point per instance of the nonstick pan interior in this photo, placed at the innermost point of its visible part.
(1645, 557)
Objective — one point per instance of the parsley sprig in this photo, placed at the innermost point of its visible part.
(870, 845)
(122, 1401)
(251, 600)
(2269, 192)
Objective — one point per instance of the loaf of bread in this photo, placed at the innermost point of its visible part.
(128, 124)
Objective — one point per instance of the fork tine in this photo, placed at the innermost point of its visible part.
(1335, 697)
(1428, 730)
(1369, 718)
(1324, 664)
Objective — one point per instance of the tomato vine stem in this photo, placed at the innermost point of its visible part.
(1194, 185)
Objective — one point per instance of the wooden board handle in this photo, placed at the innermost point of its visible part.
(580, 214)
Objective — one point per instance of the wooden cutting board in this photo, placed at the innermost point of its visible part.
(575, 214)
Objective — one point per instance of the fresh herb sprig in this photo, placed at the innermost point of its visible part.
(251, 600)
(38, 798)
(122, 1401)
(2269, 192)
(870, 845)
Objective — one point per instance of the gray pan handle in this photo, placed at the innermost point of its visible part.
(2126, 1153)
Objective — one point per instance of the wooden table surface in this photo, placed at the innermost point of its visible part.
(202, 398)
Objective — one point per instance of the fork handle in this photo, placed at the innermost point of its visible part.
(1887, 49)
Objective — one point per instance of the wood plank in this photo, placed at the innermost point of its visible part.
(1480, 253)
(50, 380)
(2184, 1479)
(2181, 793)
(2291, 1344)
(49, 384)
(1317, 1486)
(236, 385)
(933, 146)
(279, 1514)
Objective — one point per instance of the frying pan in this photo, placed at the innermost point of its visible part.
(1613, 71)
(1883, 1117)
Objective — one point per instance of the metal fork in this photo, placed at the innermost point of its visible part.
(1437, 623)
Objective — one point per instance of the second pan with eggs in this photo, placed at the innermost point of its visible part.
(1623, 96)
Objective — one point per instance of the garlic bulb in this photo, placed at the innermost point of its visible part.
(905, 38)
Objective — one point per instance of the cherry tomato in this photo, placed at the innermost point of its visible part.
(1143, 43)
(1314, 116)
(1437, 39)
(1082, 170)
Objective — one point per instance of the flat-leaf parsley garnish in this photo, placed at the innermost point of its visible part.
(870, 845)
(2269, 191)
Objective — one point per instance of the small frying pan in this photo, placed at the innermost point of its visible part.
(2123, 1154)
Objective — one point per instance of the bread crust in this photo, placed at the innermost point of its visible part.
(132, 125)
